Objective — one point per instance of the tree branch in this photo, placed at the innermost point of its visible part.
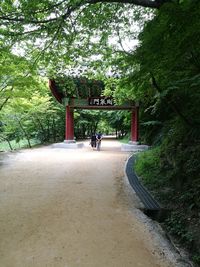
(6, 100)
(49, 8)
(22, 19)
(144, 3)
(120, 42)
(12, 33)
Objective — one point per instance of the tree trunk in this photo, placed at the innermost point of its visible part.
(54, 129)
(24, 131)
(41, 127)
(8, 141)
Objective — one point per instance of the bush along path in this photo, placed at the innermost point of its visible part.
(182, 200)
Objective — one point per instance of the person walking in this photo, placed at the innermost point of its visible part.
(98, 140)
(93, 141)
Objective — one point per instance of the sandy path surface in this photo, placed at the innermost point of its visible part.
(67, 208)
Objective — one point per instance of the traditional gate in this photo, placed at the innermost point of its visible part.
(90, 99)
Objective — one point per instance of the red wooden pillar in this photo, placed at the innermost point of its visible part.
(69, 131)
(135, 124)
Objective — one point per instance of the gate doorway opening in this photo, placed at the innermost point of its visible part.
(90, 99)
(112, 124)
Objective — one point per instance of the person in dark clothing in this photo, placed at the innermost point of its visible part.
(98, 140)
(93, 141)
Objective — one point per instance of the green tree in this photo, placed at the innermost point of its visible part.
(86, 122)
(17, 77)
(167, 82)
(32, 115)
(65, 33)
(119, 121)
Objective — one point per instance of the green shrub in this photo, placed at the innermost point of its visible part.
(176, 225)
(147, 166)
(196, 258)
(156, 174)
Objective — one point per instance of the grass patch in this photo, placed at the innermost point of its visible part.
(4, 146)
(124, 140)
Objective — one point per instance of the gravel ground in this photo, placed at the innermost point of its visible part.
(70, 208)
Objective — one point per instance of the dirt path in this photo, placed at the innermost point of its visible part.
(67, 208)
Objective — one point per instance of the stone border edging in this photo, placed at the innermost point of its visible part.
(149, 202)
